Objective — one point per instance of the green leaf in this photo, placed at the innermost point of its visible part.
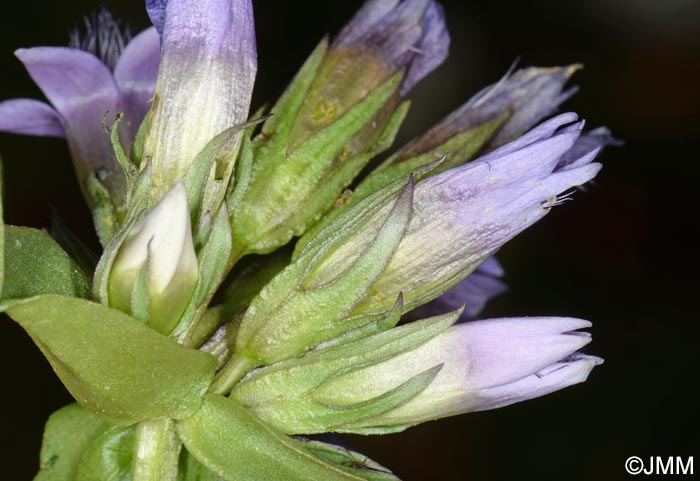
(237, 446)
(68, 434)
(114, 365)
(35, 264)
(295, 396)
(358, 463)
(109, 456)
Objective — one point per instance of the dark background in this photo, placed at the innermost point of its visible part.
(623, 254)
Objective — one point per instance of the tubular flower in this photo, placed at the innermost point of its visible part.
(83, 90)
(205, 81)
(485, 365)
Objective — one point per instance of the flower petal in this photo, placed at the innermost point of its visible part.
(135, 74)
(558, 376)
(74, 81)
(30, 117)
(156, 11)
(431, 50)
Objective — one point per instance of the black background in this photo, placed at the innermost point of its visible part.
(623, 254)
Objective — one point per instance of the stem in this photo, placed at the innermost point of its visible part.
(156, 451)
(233, 371)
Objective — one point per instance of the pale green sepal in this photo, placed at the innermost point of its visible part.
(356, 462)
(237, 446)
(100, 285)
(139, 297)
(35, 264)
(128, 168)
(114, 365)
(212, 261)
(292, 395)
(218, 153)
(313, 415)
(137, 148)
(138, 198)
(103, 214)
(67, 435)
(296, 311)
(343, 223)
(248, 278)
(108, 457)
(457, 150)
(220, 344)
(369, 325)
(287, 107)
(286, 181)
(244, 166)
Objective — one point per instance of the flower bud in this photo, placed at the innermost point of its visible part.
(204, 83)
(339, 112)
(464, 215)
(472, 366)
(158, 252)
(485, 365)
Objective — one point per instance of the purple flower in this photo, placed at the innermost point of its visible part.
(205, 81)
(464, 215)
(485, 365)
(526, 96)
(474, 293)
(408, 34)
(82, 89)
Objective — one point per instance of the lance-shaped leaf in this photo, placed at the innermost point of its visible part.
(35, 264)
(302, 305)
(114, 365)
(68, 434)
(237, 446)
(292, 397)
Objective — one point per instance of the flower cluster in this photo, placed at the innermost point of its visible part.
(267, 277)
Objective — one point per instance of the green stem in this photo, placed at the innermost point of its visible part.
(156, 451)
(233, 371)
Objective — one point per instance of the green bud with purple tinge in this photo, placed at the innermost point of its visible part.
(342, 109)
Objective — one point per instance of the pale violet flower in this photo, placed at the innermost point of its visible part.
(485, 365)
(84, 95)
(205, 81)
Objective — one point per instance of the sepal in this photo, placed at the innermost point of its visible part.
(298, 396)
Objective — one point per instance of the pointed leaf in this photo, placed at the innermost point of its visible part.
(358, 463)
(68, 434)
(114, 365)
(35, 264)
(237, 446)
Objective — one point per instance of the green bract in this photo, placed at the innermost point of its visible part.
(114, 365)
